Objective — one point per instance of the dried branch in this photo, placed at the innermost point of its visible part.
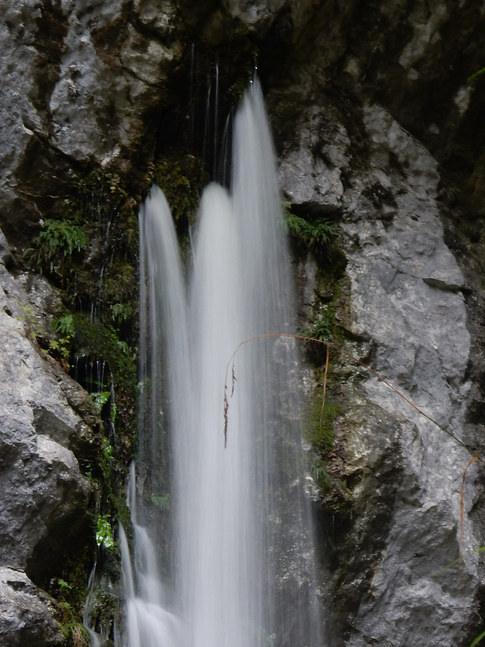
(356, 360)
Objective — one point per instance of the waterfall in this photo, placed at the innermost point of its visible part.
(222, 535)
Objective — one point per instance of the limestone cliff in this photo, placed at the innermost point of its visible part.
(378, 130)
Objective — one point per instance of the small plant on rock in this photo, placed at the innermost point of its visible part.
(60, 348)
(104, 536)
(55, 245)
(312, 233)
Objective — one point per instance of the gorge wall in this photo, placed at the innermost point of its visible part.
(378, 130)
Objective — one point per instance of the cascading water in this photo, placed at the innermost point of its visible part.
(230, 564)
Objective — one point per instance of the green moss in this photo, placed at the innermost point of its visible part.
(88, 246)
(121, 511)
(181, 177)
(76, 634)
(70, 590)
(119, 286)
(97, 341)
(103, 609)
(319, 431)
(96, 197)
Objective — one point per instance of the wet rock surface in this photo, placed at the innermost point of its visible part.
(26, 612)
(45, 498)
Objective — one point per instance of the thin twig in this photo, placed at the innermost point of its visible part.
(325, 376)
(333, 344)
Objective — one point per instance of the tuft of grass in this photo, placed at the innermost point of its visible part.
(319, 432)
(472, 77)
(477, 639)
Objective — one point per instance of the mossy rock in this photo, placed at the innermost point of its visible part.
(319, 432)
(181, 177)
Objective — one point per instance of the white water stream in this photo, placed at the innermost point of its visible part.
(222, 541)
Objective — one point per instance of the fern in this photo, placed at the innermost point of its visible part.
(121, 312)
(55, 245)
(100, 399)
(65, 325)
(320, 232)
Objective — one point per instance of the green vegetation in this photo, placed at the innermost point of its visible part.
(96, 198)
(88, 247)
(100, 398)
(323, 325)
(96, 340)
(65, 326)
(103, 608)
(319, 431)
(76, 634)
(474, 76)
(162, 502)
(78, 337)
(55, 245)
(57, 346)
(320, 475)
(60, 347)
(121, 312)
(104, 536)
(70, 592)
(106, 459)
(32, 325)
(477, 639)
(320, 434)
(181, 177)
(312, 233)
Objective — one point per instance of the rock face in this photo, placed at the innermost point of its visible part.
(45, 497)
(26, 612)
(376, 129)
(358, 157)
(406, 286)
